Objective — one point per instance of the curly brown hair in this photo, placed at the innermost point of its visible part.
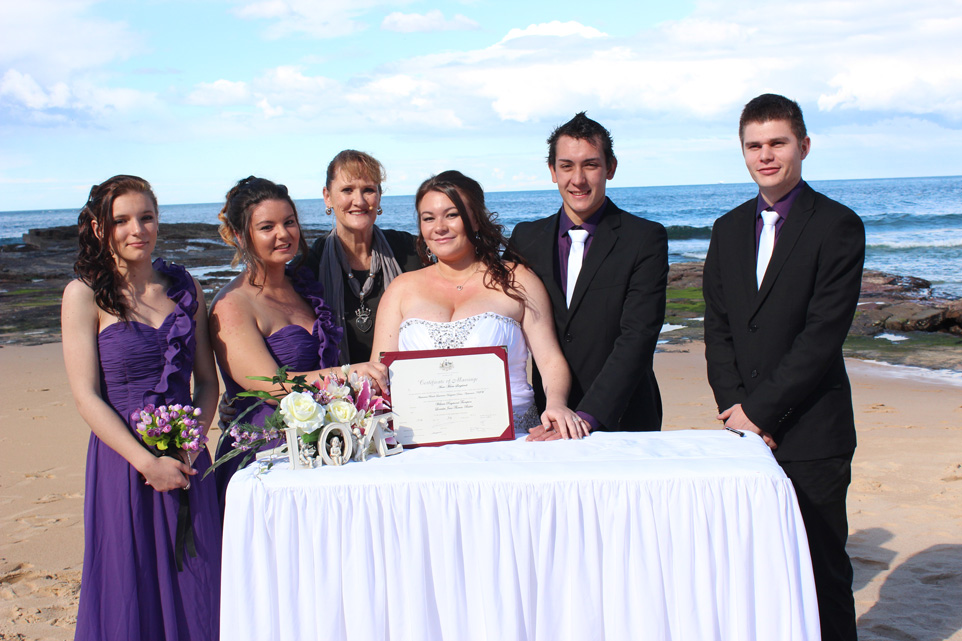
(489, 240)
(235, 218)
(95, 263)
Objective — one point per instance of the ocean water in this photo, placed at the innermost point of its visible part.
(913, 225)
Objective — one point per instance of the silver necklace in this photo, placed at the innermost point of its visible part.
(461, 286)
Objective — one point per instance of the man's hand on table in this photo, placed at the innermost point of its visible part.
(735, 418)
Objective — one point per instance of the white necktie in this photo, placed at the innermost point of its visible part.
(575, 258)
(766, 244)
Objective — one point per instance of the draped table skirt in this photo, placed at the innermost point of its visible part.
(687, 535)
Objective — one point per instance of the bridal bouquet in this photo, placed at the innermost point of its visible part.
(170, 426)
(329, 421)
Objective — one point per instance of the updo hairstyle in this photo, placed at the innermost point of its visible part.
(235, 218)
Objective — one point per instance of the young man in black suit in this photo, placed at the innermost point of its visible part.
(609, 304)
(780, 291)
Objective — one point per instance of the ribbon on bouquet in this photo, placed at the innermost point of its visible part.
(184, 538)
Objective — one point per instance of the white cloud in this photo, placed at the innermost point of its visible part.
(887, 83)
(843, 56)
(316, 18)
(277, 91)
(52, 55)
(269, 9)
(854, 55)
(106, 101)
(889, 55)
(60, 103)
(49, 39)
(524, 178)
(219, 93)
(23, 89)
(268, 110)
(555, 29)
(433, 20)
(708, 31)
(288, 84)
(302, 102)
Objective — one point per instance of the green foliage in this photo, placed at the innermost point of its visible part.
(687, 301)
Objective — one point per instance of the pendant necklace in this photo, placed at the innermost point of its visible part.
(363, 320)
(461, 286)
(363, 316)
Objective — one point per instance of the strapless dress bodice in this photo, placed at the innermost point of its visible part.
(481, 330)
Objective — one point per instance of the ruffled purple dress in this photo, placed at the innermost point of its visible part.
(293, 346)
(131, 587)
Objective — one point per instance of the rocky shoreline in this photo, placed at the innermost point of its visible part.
(899, 319)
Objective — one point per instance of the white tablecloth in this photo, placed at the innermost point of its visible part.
(689, 535)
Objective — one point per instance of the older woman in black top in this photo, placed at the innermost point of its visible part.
(357, 260)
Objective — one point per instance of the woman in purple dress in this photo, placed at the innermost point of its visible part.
(134, 333)
(272, 313)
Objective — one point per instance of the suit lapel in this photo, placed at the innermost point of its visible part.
(541, 253)
(745, 249)
(795, 223)
(606, 235)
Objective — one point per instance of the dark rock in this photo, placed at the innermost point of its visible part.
(953, 313)
(869, 320)
(685, 275)
(877, 284)
(43, 238)
(913, 316)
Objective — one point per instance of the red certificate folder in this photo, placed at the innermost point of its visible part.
(443, 396)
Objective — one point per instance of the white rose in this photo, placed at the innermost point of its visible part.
(300, 410)
(342, 412)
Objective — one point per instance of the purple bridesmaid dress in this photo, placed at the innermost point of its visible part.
(131, 586)
(294, 346)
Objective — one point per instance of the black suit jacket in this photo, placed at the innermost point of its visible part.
(608, 335)
(777, 350)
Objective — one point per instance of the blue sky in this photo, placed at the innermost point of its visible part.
(194, 95)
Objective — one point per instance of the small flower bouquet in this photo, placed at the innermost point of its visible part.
(328, 422)
(167, 428)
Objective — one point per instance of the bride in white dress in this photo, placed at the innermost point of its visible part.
(471, 297)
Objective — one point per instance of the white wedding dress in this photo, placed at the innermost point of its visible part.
(482, 330)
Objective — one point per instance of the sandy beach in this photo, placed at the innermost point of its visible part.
(905, 503)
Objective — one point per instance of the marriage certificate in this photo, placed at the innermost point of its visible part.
(450, 395)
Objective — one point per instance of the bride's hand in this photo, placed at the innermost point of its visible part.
(377, 372)
(559, 422)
